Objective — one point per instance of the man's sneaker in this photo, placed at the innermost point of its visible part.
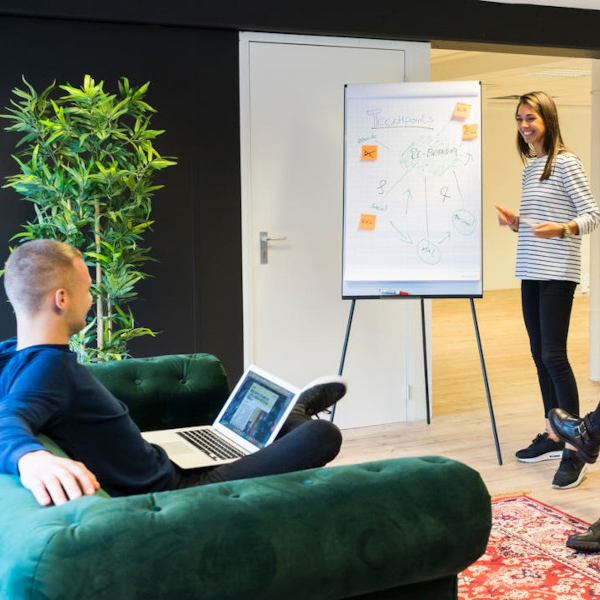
(543, 447)
(588, 541)
(320, 394)
(576, 431)
(571, 471)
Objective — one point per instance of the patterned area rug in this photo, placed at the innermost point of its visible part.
(526, 558)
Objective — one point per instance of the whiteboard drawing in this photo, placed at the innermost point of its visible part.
(412, 189)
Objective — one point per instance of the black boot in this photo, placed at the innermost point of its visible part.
(588, 541)
(576, 431)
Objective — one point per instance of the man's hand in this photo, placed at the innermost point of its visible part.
(55, 479)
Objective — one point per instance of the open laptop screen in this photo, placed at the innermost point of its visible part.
(257, 406)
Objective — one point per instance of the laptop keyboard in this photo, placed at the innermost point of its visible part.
(211, 444)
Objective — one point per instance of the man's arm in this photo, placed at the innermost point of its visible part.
(55, 479)
(38, 391)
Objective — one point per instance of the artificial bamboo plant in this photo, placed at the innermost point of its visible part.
(87, 163)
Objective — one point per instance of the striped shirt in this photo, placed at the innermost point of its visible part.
(564, 197)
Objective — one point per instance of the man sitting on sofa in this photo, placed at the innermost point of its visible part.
(44, 390)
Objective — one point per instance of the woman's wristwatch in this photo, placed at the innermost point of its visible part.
(567, 233)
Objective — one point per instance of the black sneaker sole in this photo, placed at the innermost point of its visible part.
(553, 455)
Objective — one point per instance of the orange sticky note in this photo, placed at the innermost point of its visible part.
(461, 111)
(368, 153)
(470, 132)
(367, 222)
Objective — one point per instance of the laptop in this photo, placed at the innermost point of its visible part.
(250, 419)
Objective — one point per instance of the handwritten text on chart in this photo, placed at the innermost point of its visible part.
(380, 120)
(432, 155)
(428, 252)
(464, 221)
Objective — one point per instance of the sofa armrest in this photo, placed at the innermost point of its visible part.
(168, 391)
(326, 533)
(55, 449)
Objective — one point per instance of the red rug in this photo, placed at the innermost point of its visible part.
(526, 557)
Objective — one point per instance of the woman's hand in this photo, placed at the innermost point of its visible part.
(548, 230)
(506, 216)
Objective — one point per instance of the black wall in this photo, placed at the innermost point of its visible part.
(194, 298)
(188, 50)
(425, 20)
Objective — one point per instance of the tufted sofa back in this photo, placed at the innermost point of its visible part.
(163, 392)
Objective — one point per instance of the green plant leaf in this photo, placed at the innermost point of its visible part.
(86, 160)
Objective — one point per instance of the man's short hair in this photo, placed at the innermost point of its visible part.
(35, 268)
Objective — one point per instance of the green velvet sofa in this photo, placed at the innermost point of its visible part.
(399, 528)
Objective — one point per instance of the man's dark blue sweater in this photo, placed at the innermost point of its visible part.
(44, 390)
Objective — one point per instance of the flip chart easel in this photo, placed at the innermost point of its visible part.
(412, 199)
(425, 370)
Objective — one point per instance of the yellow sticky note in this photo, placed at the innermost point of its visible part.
(461, 111)
(367, 222)
(470, 132)
(368, 153)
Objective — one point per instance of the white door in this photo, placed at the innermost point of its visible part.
(292, 103)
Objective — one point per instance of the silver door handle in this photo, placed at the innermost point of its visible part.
(264, 240)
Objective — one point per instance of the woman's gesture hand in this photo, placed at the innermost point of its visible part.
(506, 216)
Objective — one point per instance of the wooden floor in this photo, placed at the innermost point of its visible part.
(460, 427)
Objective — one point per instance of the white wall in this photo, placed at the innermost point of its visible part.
(502, 170)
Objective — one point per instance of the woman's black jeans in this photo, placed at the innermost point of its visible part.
(547, 312)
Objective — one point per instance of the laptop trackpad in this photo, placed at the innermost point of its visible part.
(175, 448)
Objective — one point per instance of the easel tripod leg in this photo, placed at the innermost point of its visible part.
(485, 381)
(425, 370)
(344, 349)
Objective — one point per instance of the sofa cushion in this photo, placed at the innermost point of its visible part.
(326, 533)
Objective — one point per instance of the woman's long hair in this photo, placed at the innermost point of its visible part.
(544, 106)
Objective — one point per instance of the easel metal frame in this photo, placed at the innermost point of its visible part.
(426, 374)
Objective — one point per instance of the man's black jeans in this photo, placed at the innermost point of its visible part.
(303, 443)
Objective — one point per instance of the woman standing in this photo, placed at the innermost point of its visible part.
(557, 208)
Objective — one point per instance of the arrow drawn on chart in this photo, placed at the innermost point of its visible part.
(403, 236)
(407, 196)
(426, 207)
(397, 182)
(458, 188)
